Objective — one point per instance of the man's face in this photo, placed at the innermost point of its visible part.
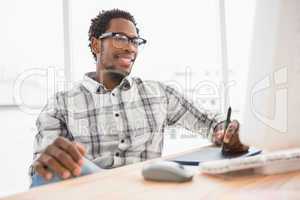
(116, 59)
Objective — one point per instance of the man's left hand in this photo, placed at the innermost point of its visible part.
(229, 139)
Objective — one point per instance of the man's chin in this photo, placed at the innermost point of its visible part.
(116, 74)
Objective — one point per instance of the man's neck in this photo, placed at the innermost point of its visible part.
(109, 83)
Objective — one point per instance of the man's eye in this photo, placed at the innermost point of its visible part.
(121, 39)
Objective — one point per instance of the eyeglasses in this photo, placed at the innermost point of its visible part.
(121, 40)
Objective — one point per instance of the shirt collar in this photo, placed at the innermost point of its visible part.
(89, 81)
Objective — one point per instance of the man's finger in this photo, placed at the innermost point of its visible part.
(218, 137)
(65, 159)
(49, 161)
(41, 171)
(70, 148)
(81, 148)
(231, 131)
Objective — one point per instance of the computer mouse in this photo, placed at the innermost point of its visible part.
(167, 171)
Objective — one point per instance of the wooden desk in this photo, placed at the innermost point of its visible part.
(127, 183)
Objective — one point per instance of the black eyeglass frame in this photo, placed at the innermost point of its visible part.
(132, 40)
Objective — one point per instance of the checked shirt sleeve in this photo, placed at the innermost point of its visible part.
(50, 125)
(183, 113)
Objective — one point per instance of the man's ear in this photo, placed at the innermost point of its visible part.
(96, 45)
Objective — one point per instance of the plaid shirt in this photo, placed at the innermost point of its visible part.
(121, 126)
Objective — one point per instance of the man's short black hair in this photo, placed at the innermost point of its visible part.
(100, 23)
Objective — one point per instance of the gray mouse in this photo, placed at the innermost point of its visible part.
(167, 171)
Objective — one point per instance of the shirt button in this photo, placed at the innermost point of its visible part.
(122, 141)
(117, 114)
(98, 89)
(117, 154)
(113, 94)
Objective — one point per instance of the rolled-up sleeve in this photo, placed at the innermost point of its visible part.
(184, 113)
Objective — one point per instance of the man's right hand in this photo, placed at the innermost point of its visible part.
(62, 157)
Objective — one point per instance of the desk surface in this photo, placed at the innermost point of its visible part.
(127, 183)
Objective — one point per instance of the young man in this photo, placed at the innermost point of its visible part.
(111, 119)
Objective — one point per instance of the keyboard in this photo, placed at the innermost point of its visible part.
(235, 164)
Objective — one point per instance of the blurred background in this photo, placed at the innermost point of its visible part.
(200, 47)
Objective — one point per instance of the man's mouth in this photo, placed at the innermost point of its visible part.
(125, 60)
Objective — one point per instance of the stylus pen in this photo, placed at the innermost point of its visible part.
(225, 128)
(228, 118)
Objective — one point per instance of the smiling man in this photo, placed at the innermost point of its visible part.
(111, 119)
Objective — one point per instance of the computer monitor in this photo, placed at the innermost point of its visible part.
(272, 109)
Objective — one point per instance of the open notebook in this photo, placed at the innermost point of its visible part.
(209, 154)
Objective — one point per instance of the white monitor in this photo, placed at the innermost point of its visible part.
(272, 110)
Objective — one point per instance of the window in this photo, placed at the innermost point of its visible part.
(31, 41)
(239, 25)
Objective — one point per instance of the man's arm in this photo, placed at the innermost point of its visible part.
(54, 149)
(182, 112)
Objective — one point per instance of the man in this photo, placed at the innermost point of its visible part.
(111, 119)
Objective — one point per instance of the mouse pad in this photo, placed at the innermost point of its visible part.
(209, 154)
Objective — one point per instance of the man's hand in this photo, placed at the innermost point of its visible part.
(229, 139)
(62, 157)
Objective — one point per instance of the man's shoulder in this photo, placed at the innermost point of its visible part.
(150, 87)
(75, 90)
(139, 80)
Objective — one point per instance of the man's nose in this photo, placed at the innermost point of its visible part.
(131, 48)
